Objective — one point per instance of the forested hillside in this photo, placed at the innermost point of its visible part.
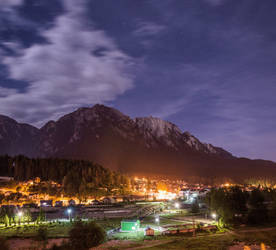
(76, 176)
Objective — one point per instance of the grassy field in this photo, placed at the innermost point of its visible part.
(55, 230)
(214, 242)
(203, 241)
(219, 241)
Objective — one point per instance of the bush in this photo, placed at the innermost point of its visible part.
(195, 208)
(86, 235)
(42, 234)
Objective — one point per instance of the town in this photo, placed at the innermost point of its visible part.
(150, 207)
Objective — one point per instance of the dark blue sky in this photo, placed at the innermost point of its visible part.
(209, 66)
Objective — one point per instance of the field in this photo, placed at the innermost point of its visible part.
(168, 220)
(55, 229)
(218, 241)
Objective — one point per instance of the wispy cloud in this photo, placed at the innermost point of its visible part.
(148, 28)
(10, 3)
(7, 92)
(65, 73)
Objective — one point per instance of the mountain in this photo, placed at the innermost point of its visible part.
(17, 138)
(141, 145)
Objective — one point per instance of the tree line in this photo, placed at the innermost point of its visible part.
(78, 177)
(235, 205)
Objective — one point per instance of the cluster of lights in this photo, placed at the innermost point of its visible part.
(164, 195)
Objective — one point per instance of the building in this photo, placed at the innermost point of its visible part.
(29, 205)
(95, 202)
(46, 203)
(130, 225)
(149, 232)
(58, 203)
(109, 200)
(72, 203)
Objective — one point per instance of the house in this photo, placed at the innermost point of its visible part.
(109, 200)
(149, 232)
(8, 193)
(58, 203)
(72, 203)
(33, 196)
(130, 225)
(29, 205)
(46, 203)
(95, 202)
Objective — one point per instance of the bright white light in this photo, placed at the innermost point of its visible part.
(156, 219)
(176, 205)
(69, 211)
(20, 214)
(214, 216)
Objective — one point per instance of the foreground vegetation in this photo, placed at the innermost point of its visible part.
(234, 206)
(218, 241)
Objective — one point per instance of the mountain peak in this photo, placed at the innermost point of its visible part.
(104, 110)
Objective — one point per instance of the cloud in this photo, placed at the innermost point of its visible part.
(66, 72)
(148, 29)
(7, 91)
(11, 19)
(10, 3)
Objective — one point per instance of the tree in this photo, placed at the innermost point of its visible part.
(195, 207)
(6, 220)
(28, 216)
(229, 204)
(41, 216)
(86, 235)
(258, 212)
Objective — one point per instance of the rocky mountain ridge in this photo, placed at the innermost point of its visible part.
(107, 136)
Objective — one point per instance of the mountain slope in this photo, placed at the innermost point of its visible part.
(141, 145)
(17, 138)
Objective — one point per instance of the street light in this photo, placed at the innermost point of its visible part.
(157, 220)
(20, 213)
(69, 211)
(176, 205)
(214, 215)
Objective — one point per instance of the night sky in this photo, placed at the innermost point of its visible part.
(209, 66)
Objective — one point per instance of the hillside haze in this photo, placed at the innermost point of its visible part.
(145, 145)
